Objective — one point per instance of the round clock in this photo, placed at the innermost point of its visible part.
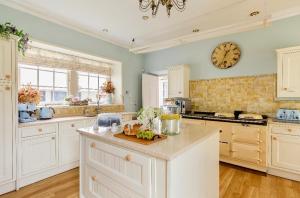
(226, 55)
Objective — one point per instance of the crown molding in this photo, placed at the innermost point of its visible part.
(217, 32)
(62, 22)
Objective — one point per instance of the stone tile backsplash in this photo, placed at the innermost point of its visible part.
(253, 94)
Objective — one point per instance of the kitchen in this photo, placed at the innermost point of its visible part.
(251, 101)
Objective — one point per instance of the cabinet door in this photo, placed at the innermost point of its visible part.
(285, 152)
(69, 141)
(246, 134)
(175, 82)
(288, 75)
(6, 135)
(38, 154)
(5, 60)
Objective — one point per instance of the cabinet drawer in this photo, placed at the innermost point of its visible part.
(247, 134)
(288, 130)
(225, 130)
(96, 184)
(90, 122)
(39, 130)
(224, 149)
(244, 152)
(131, 169)
(71, 126)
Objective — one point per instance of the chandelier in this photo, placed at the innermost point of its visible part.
(145, 5)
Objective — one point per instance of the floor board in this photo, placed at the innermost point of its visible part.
(235, 182)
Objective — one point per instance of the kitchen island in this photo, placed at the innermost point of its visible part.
(186, 165)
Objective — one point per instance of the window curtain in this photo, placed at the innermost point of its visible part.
(53, 59)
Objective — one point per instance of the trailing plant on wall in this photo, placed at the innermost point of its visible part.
(8, 29)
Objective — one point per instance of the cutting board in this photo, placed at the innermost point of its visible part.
(140, 141)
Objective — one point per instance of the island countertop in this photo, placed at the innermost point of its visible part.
(168, 149)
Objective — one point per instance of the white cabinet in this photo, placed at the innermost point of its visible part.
(285, 150)
(39, 153)
(288, 73)
(69, 141)
(178, 81)
(8, 120)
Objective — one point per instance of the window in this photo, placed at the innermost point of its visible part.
(52, 83)
(89, 85)
(163, 89)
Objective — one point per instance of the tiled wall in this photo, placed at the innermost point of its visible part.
(65, 111)
(254, 94)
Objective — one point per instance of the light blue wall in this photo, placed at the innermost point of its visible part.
(258, 52)
(57, 35)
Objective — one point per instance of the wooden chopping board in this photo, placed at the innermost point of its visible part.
(139, 141)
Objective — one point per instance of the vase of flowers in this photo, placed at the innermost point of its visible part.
(108, 89)
(29, 95)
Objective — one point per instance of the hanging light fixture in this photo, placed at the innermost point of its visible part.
(145, 5)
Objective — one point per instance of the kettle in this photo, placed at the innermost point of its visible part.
(46, 113)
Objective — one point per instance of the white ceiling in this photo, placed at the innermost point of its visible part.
(124, 20)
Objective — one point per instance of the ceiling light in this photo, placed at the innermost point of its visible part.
(105, 30)
(145, 5)
(255, 13)
(145, 17)
(196, 30)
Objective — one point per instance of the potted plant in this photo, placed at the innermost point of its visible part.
(108, 89)
(149, 117)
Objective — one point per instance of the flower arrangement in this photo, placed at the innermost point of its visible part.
(29, 95)
(75, 101)
(108, 87)
(7, 29)
(147, 116)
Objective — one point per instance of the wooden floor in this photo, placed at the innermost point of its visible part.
(234, 183)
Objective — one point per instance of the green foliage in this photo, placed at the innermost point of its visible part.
(147, 135)
(8, 29)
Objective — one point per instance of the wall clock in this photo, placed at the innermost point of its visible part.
(226, 55)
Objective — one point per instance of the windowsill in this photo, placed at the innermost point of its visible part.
(70, 106)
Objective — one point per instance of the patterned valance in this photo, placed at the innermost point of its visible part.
(53, 59)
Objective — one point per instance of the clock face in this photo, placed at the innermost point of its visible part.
(226, 55)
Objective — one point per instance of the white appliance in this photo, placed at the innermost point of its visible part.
(8, 115)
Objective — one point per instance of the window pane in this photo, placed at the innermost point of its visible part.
(83, 82)
(83, 94)
(93, 96)
(102, 81)
(60, 95)
(46, 78)
(28, 76)
(61, 79)
(46, 93)
(94, 83)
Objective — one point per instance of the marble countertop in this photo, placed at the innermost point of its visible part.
(167, 149)
(54, 120)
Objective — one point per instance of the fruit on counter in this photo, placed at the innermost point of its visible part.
(132, 129)
(170, 117)
(147, 135)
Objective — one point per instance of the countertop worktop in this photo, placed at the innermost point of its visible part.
(167, 149)
(54, 120)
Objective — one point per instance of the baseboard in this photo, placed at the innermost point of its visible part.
(284, 174)
(245, 165)
(11, 186)
(24, 181)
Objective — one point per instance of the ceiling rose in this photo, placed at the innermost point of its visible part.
(145, 5)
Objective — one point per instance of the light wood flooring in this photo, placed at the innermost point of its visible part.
(235, 182)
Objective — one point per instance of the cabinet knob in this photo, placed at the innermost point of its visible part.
(72, 125)
(7, 88)
(7, 77)
(274, 138)
(128, 158)
(93, 178)
(285, 89)
(221, 131)
(290, 130)
(93, 145)
(179, 92)
(53, 138)
(40, 130)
